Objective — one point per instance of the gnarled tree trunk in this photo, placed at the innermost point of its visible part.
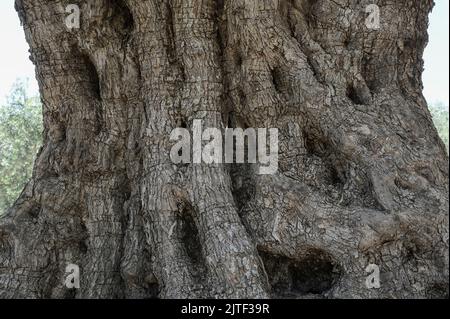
(362, 173)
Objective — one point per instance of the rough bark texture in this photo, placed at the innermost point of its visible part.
(362, 178)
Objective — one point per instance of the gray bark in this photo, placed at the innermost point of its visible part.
(362, 178)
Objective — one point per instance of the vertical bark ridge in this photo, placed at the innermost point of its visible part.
(362, 175)
(233, 265)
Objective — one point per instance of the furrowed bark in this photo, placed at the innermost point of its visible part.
(362, 179)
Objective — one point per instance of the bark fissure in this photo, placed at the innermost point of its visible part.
(362, 175)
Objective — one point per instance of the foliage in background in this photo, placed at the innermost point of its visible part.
(440, 118)
(20, 140)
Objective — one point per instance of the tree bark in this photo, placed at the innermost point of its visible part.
(362, 179)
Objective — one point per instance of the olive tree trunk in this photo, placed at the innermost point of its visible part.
(362, 176)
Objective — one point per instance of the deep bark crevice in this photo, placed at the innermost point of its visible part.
(361, 178)
(92, 77)
(121, 18)
(314, 273)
